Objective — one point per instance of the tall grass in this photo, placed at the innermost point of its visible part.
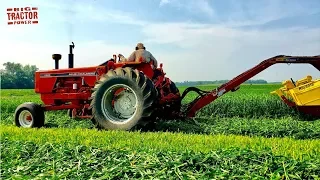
(297, 149)
(250, 101)
(251, 110)
(28, 160)
(247, 134)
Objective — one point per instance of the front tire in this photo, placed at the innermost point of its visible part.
(29, 115)
(133, 103)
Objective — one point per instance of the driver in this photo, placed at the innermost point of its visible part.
(139, 53)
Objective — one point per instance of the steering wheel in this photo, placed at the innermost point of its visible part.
(293, 82)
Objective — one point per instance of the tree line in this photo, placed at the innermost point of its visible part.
(17, 76)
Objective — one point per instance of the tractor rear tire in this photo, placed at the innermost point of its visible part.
(106, 110)
(29, 115)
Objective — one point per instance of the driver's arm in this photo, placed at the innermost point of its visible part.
(132, 57)
(154, 60)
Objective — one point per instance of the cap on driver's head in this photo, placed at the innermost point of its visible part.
(140, 46)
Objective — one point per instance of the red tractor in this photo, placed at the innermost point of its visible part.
(121, 95)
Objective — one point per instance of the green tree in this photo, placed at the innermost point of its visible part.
(17, 76)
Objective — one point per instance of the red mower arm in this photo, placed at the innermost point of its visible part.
(208, 97)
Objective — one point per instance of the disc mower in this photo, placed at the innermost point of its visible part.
(303, 94)
(121, 95)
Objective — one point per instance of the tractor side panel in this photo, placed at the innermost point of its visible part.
(43, 85)
(46, 81)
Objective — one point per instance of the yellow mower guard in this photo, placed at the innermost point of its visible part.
(303, 92)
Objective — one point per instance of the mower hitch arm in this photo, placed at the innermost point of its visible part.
(207, 97)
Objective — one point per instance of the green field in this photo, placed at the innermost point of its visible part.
(246, 134)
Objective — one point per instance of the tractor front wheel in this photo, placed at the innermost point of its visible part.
(121, 99)
(29, 115)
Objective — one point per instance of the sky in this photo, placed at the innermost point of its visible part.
(194, 39)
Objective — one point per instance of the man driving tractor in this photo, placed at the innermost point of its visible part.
(140, 54)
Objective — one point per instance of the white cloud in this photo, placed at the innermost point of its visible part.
(193, 6)
(29, 44)
(77, 12)
(163, 2)
(217, 52)
(222, 51)
(196, 6)
(238, 13)
(209, 52)
(88, 53)
(90, 12)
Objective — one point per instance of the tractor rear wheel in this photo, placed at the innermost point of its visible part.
(29, 115)
(122, 99)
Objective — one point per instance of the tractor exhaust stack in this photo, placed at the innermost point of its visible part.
(71, 47)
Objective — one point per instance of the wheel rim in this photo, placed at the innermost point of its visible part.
(25, 118)
(119, 103)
